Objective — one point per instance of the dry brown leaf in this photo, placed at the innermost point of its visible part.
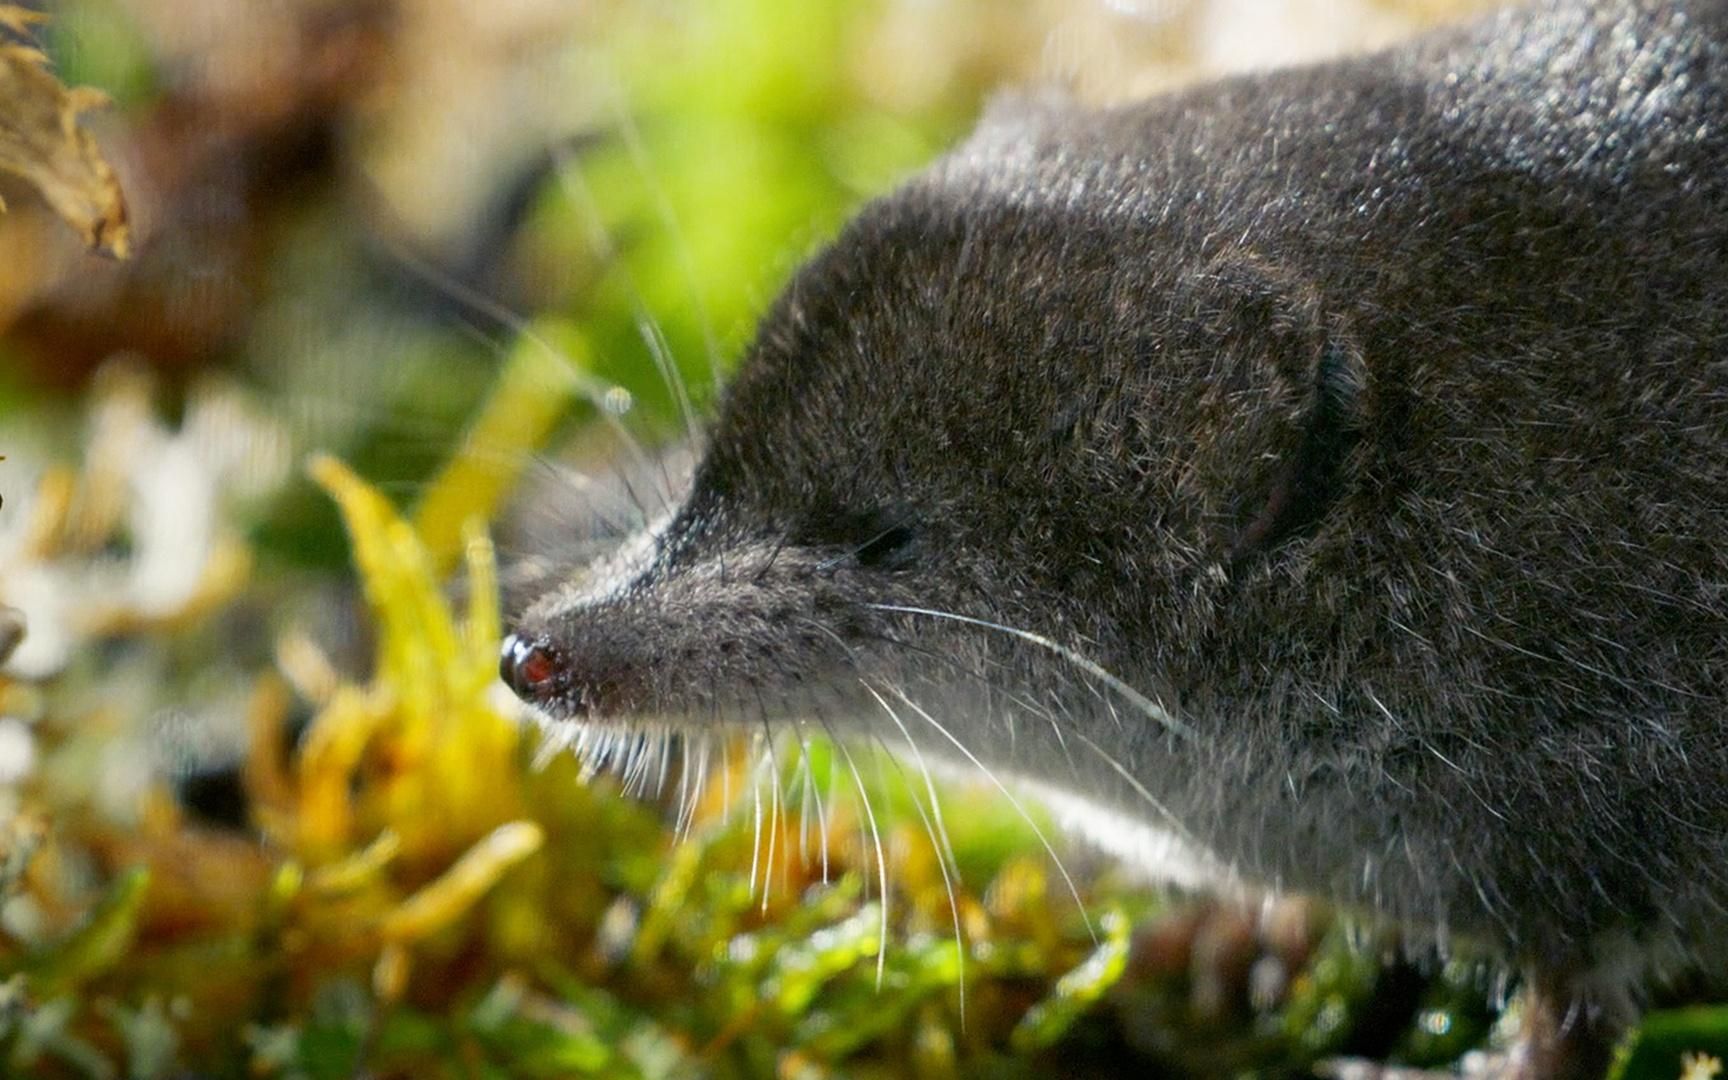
(41, 141)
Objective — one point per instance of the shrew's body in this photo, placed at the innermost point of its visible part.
(1371, 419)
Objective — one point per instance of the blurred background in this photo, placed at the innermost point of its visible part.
(402, 279)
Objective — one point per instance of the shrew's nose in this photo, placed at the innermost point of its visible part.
(527, 667)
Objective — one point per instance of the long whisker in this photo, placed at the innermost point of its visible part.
(698, 767)
(725, 780)
(570, 178)
(833, 762)
(989, 774)
(632, 136)
(665, 753)
(597, 392)
(967, 671)
(1151, 709)
(684, 806)
(308, 412)
(756, 825)
(945, 845)
(589, 488)
(661, 350)
(881, 864)
(773, 813)
(938, 832)
(815, 793)
(592, 490)
(800, 783)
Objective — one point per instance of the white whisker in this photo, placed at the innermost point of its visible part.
(774, 811)
(881, 864)
(938, 832)
(800, 782)
(725, 780)
(756, 822)
(812, 794)
(699, 766)
(632, 136)
(647, 328)
(1152, 710)
(989, 774)
(595, 391)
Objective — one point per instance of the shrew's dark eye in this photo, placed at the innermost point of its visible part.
(876, 539)
(888, 549)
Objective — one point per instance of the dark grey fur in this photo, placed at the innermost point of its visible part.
(1372, 417)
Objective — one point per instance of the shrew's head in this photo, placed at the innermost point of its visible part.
(1020, 411)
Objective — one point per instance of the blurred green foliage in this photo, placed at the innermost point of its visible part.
(742, 142)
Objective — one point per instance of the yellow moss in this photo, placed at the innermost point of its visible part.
(446, 898)
(443, 762)
(331, 752)
(269, 789)
(358, 871)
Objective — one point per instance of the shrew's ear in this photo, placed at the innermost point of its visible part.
(1280, 410)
